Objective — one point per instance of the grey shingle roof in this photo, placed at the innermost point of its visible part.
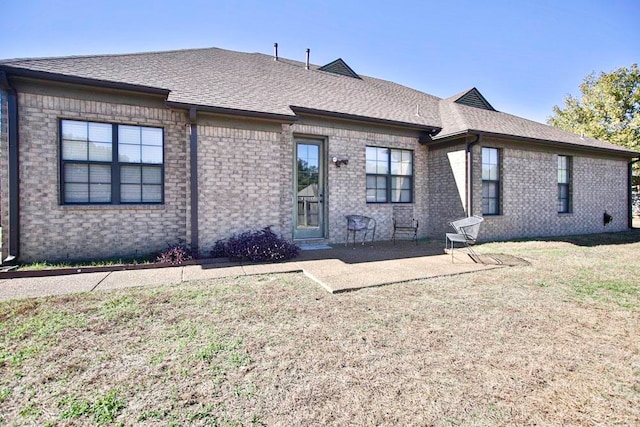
(254, 82)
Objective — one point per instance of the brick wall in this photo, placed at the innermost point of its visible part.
(447, 183)
(530, 191)
(246, 178)
(346, 191)
(239, 181)
(49, 231)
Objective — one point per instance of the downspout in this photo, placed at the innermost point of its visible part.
(630, 189)
(193, 177)
(13, 251)
(469, 164)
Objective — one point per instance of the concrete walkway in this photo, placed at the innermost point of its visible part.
(336, 269)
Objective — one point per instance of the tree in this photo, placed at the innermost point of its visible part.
(608, 109)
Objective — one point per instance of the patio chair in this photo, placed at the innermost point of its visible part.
(466, 232)
(360, 223)
(404, 222)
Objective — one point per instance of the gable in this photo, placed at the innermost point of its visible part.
(339, 67)
(473, 98)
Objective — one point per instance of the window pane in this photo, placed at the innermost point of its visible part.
(562, 176)
(381, 195)
(152, 154)
(129, 153)
(130, 193)
(74, 150)
(100, 152)
(100, 132)
(100, 174)
(130, 175)
(129, 134)
(151, 193)
(371, 195)
(100, 193)
(74, 130)
(76, 193)
(151, 136)
(371, 181)
(151, 175)
(400, 162)
(76, 173)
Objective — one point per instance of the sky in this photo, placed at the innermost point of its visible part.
(523, 56)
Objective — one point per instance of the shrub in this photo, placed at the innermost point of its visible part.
(255, 245)
(175, 254)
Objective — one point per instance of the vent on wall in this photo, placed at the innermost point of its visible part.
(473, 98)
(339, 67)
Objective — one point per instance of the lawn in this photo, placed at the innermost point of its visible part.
(553, 343)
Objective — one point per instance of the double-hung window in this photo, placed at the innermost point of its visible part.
(104, 163)
(564, 184)
(490, 181)
(389, 175)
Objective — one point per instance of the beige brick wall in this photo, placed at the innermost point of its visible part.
(50, 231)
(245, 181)
(239, 181)
(447, 199)
(529, 193)
(246, 178)
(346, 191)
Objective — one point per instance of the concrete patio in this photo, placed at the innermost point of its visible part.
(336, 269)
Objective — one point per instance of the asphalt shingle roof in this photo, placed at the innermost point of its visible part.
(255, 82)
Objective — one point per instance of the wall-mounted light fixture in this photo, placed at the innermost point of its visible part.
(340, 161)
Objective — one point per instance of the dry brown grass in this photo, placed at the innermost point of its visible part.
(553, 343)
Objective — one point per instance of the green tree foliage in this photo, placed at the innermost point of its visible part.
(608, 108)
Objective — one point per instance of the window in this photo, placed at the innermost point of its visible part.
(564, 184)
(389, 175)
(490, 181)
(103, 163)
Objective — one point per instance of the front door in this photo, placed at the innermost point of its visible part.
(308, 178)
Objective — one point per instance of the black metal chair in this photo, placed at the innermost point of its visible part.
(404, 222)
(360, 223)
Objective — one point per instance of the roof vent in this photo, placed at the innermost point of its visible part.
(307, 62)
(275, 51)
(339, 67)
(473, 98)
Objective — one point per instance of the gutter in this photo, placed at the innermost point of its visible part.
(630, 189)
(282, 118)
(621, 152)
(431, 130)
(469, 165)
(13, 251)
(193, 177)
(45, 75)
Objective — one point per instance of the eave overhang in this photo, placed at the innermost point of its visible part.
(281, 118)
(442, 141)
(429, 130)
(65, 78)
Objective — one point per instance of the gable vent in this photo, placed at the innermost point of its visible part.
(339, 67)
(474, 98)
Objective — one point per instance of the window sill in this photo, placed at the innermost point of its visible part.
(155, 207)
(563, 214)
